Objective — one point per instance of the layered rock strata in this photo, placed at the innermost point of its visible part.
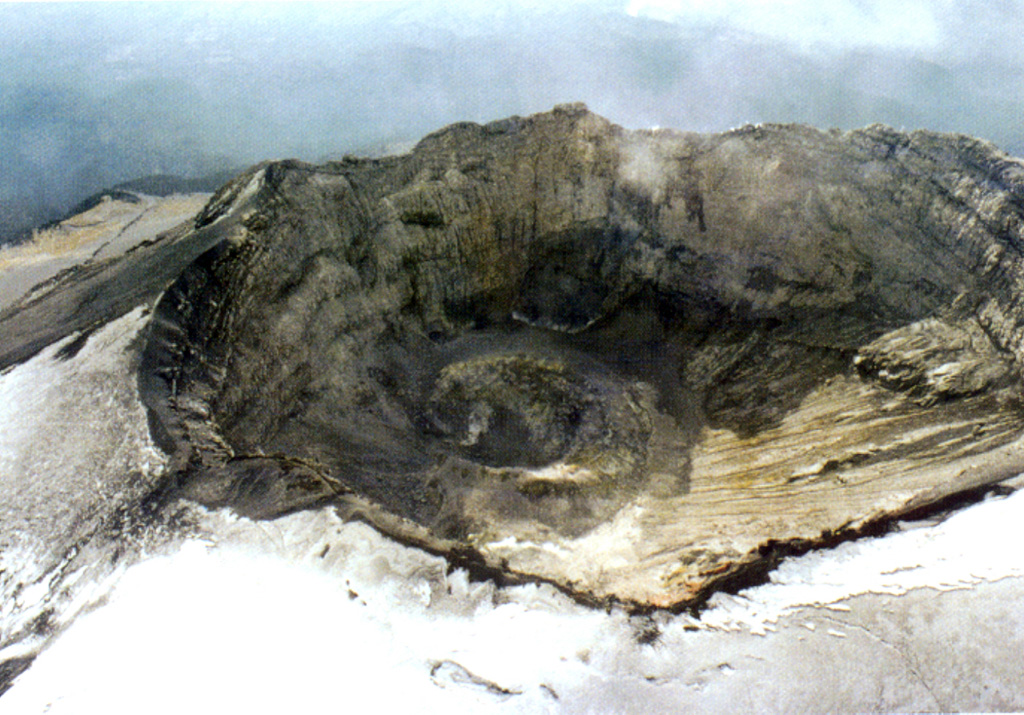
(630, 363)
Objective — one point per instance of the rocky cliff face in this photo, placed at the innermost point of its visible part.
(634, 364)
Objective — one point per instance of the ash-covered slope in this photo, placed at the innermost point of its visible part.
(628, 363)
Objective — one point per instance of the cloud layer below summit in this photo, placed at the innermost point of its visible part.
(138, 89)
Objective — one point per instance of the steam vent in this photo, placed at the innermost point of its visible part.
(639, 365)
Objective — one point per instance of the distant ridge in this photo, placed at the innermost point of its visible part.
(167, 184)
(153, 185)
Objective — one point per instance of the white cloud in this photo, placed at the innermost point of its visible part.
(909, 24)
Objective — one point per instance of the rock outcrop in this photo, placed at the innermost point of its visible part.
(636, 364)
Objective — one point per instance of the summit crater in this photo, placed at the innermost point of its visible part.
(629, 363)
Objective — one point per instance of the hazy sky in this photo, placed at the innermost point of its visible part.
(95, 93)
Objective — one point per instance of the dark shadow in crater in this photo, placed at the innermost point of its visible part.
(576, 280)
(758, 379)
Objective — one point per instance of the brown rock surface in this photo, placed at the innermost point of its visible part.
(634, 364)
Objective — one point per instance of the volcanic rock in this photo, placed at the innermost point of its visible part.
(639, 365)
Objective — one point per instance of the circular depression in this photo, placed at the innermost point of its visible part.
(517, 329)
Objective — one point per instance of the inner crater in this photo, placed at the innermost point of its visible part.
(511, 411)
(503, 424)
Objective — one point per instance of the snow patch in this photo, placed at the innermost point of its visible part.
(74, 447)
(334, 610)
(966, 549)
(306, 610)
